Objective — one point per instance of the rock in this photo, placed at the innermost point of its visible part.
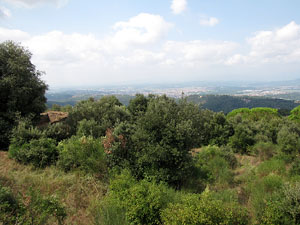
(53, 117)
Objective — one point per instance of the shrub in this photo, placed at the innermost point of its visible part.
(295, 114)
(36, 209)
(10, 209)
(265, 150)
(261, 190)
(255, 113)
(145, 202)
(84, 153)
(107, 112)
(58, 131)
(109, 212)
(275, 166)
(202, 210)
(39, 153)
(295, 168)
(24, 133)
(218, 129)
(284, 207)
(43, 209)
(163, 138)
(119, 144)
(214, 165)
(89, 128)
(243, 137)
(141, 201)
(288, 140)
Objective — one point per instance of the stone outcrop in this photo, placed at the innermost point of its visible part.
(53, 117)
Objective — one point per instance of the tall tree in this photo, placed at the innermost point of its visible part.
(22, 92)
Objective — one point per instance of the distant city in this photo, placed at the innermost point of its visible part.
(289, 90)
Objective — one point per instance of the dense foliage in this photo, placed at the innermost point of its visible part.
(37, 209)
(22, 92)
(227, 103)
(170, 162)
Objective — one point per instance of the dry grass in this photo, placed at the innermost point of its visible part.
(76, 191)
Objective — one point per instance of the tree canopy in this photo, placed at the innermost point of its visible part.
(22, 92)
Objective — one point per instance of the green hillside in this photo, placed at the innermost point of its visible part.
(227, 103)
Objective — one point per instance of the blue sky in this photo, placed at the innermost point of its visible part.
(139, 41)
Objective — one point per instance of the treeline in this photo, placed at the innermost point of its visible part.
(227, 103)
(216, 103)
(168, 162)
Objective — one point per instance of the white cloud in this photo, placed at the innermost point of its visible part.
(209, 21)
(140, 57)
(15, 35)
(4, 12)
(140, 30)
(136, 50)
(33, 3)
(69, 57)
(280, 45)
(178, 6)
(197, 52)
(57, 48)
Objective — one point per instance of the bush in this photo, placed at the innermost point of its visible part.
(36, 209)
(43, 209)
(295, 114)
(89, 128)
(243, 137)
(106, 112)
(202, 210)
(214, 165)
(10, 209)
(58, 131)
(141, 201)
(262, 190)
(109, 212)
(119, 144)
(159, 143)
(295, 168)
(274, 166)
(265, 150)
(84, 153)
(145, 202)
(219, 129)
(288, 140)
(24, 133)
(284, 207)
(39, 153)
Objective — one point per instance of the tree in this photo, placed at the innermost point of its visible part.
(157, 143)
(22, 92)
(295, 114)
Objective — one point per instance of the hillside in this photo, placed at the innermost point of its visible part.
(216, 103)
(227, 103)
(77, 192)
(156, 161)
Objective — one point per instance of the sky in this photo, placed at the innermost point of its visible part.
(97, 42)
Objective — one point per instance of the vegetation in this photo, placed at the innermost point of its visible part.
(227, 103)
(22, 92)
(155, 161)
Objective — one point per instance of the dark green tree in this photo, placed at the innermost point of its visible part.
(104, 113)
(157, 144)
(138, 105)
(22, 92)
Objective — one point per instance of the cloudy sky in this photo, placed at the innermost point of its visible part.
(100, 42)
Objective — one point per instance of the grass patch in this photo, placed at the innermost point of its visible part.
(77, 192)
